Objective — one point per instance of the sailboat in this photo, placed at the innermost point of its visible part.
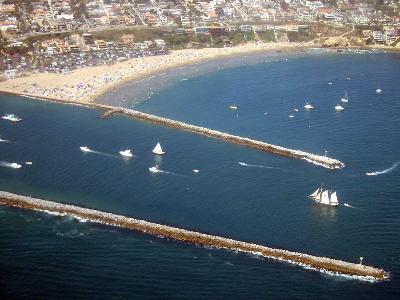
(345, 98)
(325, 197)
(158, 150)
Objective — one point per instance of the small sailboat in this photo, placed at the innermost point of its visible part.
(154, 169)
(233, 107)
(85, 149)
(345, 98)
(378, 91)
(308, 106)
(11, 117)
(126, 153)
(339, 107)
(325, 197)
(158, 150)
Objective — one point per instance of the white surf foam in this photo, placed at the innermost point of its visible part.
(12, 165)
(386, 171)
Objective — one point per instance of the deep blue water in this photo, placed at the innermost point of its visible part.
(44, 256)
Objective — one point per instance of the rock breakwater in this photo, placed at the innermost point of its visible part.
(323, 161)
(322, 264)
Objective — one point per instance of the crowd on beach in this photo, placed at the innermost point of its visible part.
(85, 84)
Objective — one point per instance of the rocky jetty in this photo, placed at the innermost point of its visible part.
(322, 264)
(324, 161)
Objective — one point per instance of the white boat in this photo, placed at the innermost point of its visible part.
(345, 98)
(15, 165)
(291, 116)
(308, 106)
(126, 153)
(195, 171)
(85, 149)
(154, 169)
(158, 150)
(296, 109)
(339, 107)
(233, 107)
(325, 197)
(378, 91)
(11, 117)
(29, 163)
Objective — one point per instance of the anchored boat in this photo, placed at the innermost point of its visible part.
(308, 106)
(325, 197)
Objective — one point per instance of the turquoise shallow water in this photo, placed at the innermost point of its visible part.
(53, 257)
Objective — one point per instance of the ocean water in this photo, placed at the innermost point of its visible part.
(43, 256)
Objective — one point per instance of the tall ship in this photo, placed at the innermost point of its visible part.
(325, 197)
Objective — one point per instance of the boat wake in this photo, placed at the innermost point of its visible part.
(386, 171)
(255, 166)
(12, 165)
(348, 205)
(87, 150)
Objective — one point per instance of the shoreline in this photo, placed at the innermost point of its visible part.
(90, 83)
(307, 261)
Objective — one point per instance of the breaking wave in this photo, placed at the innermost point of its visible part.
(386, 171)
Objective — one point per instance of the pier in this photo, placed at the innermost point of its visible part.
(322, 264)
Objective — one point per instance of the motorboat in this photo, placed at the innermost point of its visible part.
(154, 169)
(339, 107)
(126, 153)
(11, 117)
(308, 106)
(85, 149)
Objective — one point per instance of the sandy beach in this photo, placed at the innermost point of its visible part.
(86, 84)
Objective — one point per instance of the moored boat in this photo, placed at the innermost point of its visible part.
(308, 106)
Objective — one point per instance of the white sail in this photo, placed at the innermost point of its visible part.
(334, 200)
(158, 150)
(325, 198)
(316, 193)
